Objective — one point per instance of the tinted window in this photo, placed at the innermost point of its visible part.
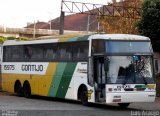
(6, 53)
(127, 47)
(65, 51)
(52, 52)
(13, 53)
(80, 51)
(36, 52)
(98, 46)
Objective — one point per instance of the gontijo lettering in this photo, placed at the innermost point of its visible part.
(37, 68)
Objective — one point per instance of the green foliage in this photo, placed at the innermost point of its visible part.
(11, 38)
(2, 39)
(149, 25)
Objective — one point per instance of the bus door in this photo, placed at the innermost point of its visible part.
(99, 79)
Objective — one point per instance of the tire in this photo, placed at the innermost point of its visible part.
(84, 96)
(27, 90)
(123, 105)
(18, 90)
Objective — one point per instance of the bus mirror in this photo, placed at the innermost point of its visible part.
(106, 64)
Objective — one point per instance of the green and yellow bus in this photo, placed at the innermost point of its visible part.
(98, 68)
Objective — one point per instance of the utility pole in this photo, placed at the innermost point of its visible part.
(50, 25)
(34, 30)
(61, 29)
(98, 21)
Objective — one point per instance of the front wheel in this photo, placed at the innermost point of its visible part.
(123, 105)
(84, 96)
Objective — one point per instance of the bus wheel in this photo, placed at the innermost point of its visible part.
(27, 90)
(123, 105)
(84, 96)
(18, 89)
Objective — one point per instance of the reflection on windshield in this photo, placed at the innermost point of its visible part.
(130, 69)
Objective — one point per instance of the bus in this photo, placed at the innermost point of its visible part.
(96, 68)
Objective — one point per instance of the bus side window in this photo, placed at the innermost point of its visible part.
(37, 53)
(7, 54)
(13, 53)
(21, 53)
(80, 51)
(27, 52)
(50, 52)
(64, 51)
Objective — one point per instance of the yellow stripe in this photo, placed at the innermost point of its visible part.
(44, 81)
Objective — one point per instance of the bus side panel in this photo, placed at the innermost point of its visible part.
(7, 83)
(79, 77)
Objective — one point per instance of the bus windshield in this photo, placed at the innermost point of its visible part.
(130, 70)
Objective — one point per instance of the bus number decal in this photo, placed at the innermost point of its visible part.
(9, 67)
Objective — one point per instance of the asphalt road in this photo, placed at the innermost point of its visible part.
(11, 105)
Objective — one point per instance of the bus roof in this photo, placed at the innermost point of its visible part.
(78, 38)
(119, 37)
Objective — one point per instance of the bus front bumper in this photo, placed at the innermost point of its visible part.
(128, 97)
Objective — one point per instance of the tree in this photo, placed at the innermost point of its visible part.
(149, 25)
(120, 24)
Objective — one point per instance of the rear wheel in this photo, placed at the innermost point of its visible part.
(18, 89)
(27, 90)
(84, 96)
(123, 105)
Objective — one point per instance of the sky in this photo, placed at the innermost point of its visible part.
(17, 13)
